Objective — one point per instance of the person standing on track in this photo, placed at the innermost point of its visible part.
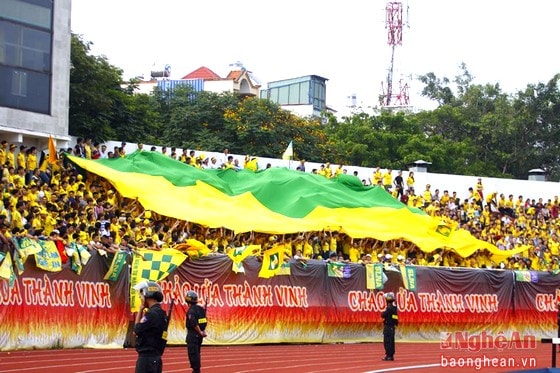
(196, 325)
(558, 321)
(390, 322)
(150, 328)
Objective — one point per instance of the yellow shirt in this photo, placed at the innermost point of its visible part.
(31, 161)
(409, 182)
(333, 244)
(553, 246)
(354, 254)
(48, 224)
(502, 202)
(387, 179)
(16, 219)
(18, 180)
(252, 165)
(377, 176)
(427, 195)
(10, 159)
(21, 160)
(87, 149)
(307, 250)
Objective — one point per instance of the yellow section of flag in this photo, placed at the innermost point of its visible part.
(238, 254)
(49, 257)
(7, 269)
(193, 248)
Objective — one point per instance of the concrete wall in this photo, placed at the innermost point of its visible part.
(218, 86)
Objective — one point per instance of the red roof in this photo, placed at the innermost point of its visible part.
(202, 73)
(234, 75)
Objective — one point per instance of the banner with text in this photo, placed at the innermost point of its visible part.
(307, 304)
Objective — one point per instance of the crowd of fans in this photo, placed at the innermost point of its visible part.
(44, 200)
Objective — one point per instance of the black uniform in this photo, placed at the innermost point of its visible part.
(558, 322)
(196, 315)
(150, 341)
(390, 322)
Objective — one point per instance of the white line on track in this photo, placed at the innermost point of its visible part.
(407, 368)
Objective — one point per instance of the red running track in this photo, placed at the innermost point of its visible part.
(343, 358)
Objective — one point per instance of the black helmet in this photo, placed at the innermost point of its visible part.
(191, 297)
(150, 289)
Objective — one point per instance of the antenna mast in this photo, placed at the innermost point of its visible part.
(394, 24)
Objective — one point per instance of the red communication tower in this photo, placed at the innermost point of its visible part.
(394, 24)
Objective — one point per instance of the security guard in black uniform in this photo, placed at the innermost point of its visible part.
(558, 322)
(150, 328)
(196, 325)
(390, 322)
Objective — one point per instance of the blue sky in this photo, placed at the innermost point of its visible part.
(507, 42)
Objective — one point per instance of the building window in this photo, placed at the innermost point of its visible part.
(26, 54)
(294, 94)
(283, 95)
(304, 93)
(19, 83)
(36, 13)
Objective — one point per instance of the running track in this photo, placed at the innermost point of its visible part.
(339, 358)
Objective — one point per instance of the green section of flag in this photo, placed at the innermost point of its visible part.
(526, 276)
(409, 277)
(340, 270)
(285, 269)
(279, 189)
(117, 265)
(378, 282)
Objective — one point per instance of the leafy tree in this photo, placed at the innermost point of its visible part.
(537, 125)
(261, 127)
(139, 119)
(194, 120)
(94, 93)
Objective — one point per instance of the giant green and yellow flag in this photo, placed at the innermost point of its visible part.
(276, 201)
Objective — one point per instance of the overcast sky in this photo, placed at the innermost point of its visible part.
(513, 43)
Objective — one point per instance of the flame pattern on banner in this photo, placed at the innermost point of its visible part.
(64, 309)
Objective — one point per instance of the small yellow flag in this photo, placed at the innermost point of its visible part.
(289, 152)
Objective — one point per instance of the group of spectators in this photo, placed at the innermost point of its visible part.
(54, 201)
